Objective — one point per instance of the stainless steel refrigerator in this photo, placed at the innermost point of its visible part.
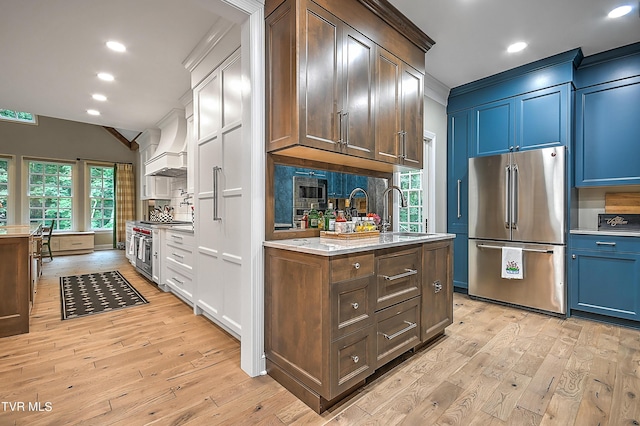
(518, 200)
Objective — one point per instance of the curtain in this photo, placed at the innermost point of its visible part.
(125, 201)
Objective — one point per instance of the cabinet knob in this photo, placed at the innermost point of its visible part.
(517, 147)
(355, 305)
(356, 265)
(437, 286)
(510, 148)
(355, 359)
(573, 256)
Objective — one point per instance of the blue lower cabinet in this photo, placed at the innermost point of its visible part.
(605, 282)
(461, 262)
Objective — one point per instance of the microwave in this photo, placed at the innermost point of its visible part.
(308, 190)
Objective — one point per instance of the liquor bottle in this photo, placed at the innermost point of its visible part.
(330, 218)
(313, 216)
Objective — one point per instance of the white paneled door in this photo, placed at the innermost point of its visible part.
(219, 194)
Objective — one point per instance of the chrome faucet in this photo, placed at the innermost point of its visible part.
(385, 206)
(366, 198)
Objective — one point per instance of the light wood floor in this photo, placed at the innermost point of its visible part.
(160, 364)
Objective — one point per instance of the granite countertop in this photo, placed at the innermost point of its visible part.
(18, 230)
(334, 247)
(607, 232)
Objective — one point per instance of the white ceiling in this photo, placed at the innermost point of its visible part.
(51, 50)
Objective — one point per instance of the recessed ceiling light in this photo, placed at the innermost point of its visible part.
(99, 97)
(620, 11)
(105, 76)
(516, 47)
(118, 47)
(93, 112)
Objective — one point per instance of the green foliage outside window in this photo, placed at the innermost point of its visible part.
(21, 116)
(101, 197)
(411, 217)
(4, 190)
(50, 194)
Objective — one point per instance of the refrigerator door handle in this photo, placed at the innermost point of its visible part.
(515, 177)
(507, 219)
(524, 249)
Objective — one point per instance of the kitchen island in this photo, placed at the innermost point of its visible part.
(17, 278)
(336, 311)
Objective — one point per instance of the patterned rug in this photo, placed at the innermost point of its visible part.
(98, 292)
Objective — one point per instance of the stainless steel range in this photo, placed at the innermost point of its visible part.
(143, 243)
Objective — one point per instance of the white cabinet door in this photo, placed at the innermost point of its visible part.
(220, 194)
(156, 250)
(191, 153)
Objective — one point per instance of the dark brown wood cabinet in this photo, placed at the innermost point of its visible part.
(325, 85)
(437, 288)
(15, 285)
(399, 111)
(331, 321)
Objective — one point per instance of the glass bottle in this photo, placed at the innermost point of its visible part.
(321, 220)
(330, 219)
(347, 210)
(313, 216)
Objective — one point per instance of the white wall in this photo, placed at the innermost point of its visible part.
(591, 203)
(58, 139)
(435, 121)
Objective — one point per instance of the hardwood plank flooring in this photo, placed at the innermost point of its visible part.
(160, 364)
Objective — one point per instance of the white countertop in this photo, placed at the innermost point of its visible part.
(612, 233)
(333, 247)
(18, 230)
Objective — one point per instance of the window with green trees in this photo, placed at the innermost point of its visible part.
(20, 116)
(50, 194)
(101, 197)
(4, 190)
(411, 217)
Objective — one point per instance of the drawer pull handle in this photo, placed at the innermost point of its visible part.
(178, 255)
(178, 281)
(356, 265)
(411, 326)
(355, 359)
(403, 275)
(605, 243)
(437, 286)
(355, 305)
(178, 237)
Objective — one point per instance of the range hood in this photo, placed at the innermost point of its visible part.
(170, 158)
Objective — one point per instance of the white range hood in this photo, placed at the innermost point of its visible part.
(170, 158)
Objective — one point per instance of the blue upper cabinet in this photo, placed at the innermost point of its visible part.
(534, 120)
(607, 122)
(493, 127)
(542, 118)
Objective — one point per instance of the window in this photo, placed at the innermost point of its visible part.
(4, 190)
(50, 194)
(19, 116)
(101, 197)
(411, 216)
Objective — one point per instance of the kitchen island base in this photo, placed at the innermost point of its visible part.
(333, 320)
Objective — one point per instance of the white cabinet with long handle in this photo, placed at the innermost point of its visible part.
(220, 195)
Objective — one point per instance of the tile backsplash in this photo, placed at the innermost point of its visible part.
(178, 185)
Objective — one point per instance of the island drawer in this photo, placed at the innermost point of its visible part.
(352, 266)
(397, 330)
(353, 358)
(352, 306)
(399, 276)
